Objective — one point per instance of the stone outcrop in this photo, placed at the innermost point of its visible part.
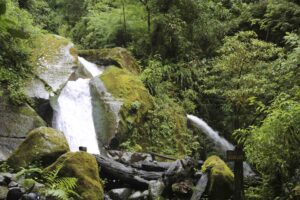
(221, 178)
(84, 167)
(15, 123)
(43, 145)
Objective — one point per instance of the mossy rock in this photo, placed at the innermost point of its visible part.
(136, 99)
(84, 167)
(165, 131)
(54, 58)
(15, 122)
(42, 145)
(221, 178)
(112, 56)
(47, 48)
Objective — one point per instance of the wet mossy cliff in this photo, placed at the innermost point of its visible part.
(135, 97)
(146, 123)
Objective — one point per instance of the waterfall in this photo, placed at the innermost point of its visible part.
(218, 140)
(73, 113)
(213, 135)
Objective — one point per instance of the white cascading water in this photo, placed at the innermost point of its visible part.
(73, 112)
(219, 141)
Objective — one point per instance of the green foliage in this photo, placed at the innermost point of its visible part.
(103, 26)
(30, 172)
(164, 131)
(280, 16)
(243, 72)
(61, 188)
(15, 28)
(273, 146)
(180, 81)
(2, 7)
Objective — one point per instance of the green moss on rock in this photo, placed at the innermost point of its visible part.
(129, 88)
(165, 131)
(46, 48)
(84, 167)
(43, 145)
(220, 179)
(112, 56)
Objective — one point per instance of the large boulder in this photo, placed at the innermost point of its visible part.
(112, 56)
(42, 145)
(15, 123)
(130, 90)
(105, 111)
(56, 60)
(221, 178)
(84, 167)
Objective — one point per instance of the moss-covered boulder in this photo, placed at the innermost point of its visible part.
(164, 131)
(15, 122)
(84, 167)
(42, 145)
(112, 56)
(221, 178)
(128, 88)
(55, 58)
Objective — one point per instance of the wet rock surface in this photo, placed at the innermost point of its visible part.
(15, 123)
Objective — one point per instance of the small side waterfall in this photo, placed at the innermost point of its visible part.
(73, 113)
(219, 141)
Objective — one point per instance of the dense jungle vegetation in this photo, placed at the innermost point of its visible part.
(235, 63)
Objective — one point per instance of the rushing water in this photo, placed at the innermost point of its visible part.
(213, 135)
(73, 112)
(220, 142)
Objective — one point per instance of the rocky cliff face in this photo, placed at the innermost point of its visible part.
(55, 60)
(15, 123)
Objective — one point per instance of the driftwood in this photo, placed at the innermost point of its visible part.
(115, 170)
(200, 187)
(138, 174)
(142, 161)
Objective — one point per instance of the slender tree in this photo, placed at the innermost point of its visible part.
(147, 7)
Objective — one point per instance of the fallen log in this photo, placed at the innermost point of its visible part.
(142, 161)
(138, 174)
(115, 170)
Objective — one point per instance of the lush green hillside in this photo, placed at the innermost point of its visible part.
(234, 63)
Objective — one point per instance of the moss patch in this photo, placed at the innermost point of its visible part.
(46, 48)
(164, 131)
(84, 167)
(43, 145)
(221, 178)
(115, 56)
(129, 88)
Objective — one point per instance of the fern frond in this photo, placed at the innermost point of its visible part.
(57, 193)
(29, 172)
(67, 183)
